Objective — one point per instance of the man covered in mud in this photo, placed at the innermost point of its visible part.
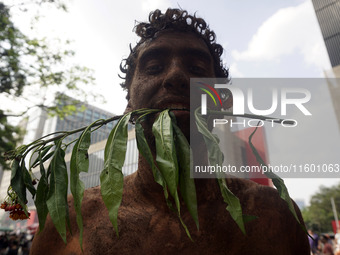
(173, 48)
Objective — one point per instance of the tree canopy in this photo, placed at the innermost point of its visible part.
(319, 215)
(29, 63)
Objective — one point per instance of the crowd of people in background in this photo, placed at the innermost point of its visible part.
(324, 244)
(13, 244)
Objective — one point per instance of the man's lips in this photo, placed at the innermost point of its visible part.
(172, 103)
(176, 107)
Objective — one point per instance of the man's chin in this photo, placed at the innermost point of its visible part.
(183, 121)
(181, 115)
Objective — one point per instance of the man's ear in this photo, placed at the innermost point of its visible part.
(227, 103)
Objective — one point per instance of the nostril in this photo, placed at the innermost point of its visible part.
(169, 85)
(176, 79)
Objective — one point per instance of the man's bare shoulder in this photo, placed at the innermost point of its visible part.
(258, 198)
(273, 215)
(99, 236)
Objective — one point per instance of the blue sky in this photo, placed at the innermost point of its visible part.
(263, 38)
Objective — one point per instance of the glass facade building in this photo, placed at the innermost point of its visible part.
(81, 119)
(96, 161)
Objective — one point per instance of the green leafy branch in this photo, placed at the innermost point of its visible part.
(171, 168)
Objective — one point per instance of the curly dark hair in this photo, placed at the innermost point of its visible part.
(178, 20)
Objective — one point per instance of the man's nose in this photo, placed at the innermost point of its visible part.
(177, 78)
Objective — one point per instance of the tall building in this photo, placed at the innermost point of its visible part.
(87, 115)
(328, 15)
(96, 160)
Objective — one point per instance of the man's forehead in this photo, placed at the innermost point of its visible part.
(175, 41)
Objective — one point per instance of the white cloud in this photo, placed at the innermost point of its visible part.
(289, 30)
(235, 72)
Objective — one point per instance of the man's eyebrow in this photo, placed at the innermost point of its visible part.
(152, 53)
(162, 51)
(203, 55)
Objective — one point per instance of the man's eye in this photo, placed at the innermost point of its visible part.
(197, 70)
(154, 69)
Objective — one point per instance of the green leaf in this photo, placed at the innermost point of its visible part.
(248, 218)
(216, 158)
(186, 184)
(144, 149)
(111, 178)
(42, 154)
(44, 159)
(79, 163)
(57, 195)
(277, 181)
(166, 158)
(166, 155)
(40, 202)
(214, 152)
(17, 182)
(41, 198)
(234, 205)
(28, 180)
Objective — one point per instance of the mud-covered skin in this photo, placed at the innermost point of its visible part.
(146, 225)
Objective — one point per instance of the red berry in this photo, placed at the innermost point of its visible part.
(16, 216)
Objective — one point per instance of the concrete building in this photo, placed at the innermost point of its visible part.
(328, 15)
(96, 160)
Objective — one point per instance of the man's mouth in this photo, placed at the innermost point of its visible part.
(176, 106)
(173, 103)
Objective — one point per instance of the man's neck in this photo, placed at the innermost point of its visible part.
(206, 189)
